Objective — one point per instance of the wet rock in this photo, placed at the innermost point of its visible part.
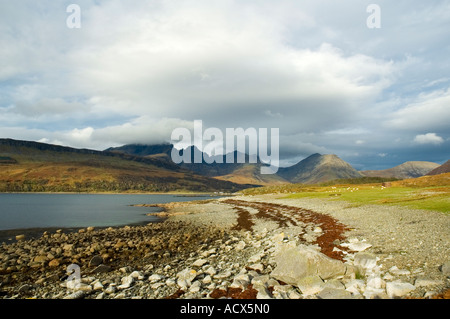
(95, 261)
(101, 269)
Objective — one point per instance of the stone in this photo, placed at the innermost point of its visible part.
(54, 262)
(241, 245)
(127, 281)
(310, 285)
(399, 272)
(97, 286)
(334, 293)
(255, 258)
(20, 237)
(302, 261)
(376, 282)
(95, 261)
(101, 269)
(398, 289)
(75, 295)
(256, 267)
(40, 259)
(355, 286)
(211, 271)
(156, 285)
(110, 290)
(223, 275)
(24, 288)
(137, 275)
(365, 260)
(263, 292)
(356, 245)
(445, 268)
(427, 282)
(260, 280)
(240, 281)
(207, 279)
(155, 278)
(170, 282)
(374, 293)
(125, 269)
(334, 283)
(195, 287)
(187, 274)
(199, 262)
(317, 230)
(292, 294)
(82, 287)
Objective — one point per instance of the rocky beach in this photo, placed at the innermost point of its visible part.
(240, 247)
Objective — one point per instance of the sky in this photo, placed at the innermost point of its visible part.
(133, 71)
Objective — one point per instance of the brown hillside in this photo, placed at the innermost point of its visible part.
(444, 168)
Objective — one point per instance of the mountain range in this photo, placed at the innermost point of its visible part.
(316, 168)
(410, 169)
(34, 166)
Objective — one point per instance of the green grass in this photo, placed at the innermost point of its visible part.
(430, 198)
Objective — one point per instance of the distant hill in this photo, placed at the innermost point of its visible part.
(410, 169)
(240, 173)
(315, 169)
(32, 166)
(444, 168)
(318, 168)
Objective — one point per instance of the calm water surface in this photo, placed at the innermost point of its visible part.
(22, 211)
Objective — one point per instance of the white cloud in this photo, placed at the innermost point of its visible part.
(428, 111)
(429, 138)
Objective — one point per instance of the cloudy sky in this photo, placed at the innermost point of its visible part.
(136, 70)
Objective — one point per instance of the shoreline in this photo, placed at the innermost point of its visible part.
(233, 247)
(8, 235)
(180, 194)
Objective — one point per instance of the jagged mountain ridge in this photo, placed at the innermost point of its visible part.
(34, 166)
(211, 166)
(314, 169)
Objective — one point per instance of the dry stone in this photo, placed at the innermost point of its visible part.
(298, 262)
